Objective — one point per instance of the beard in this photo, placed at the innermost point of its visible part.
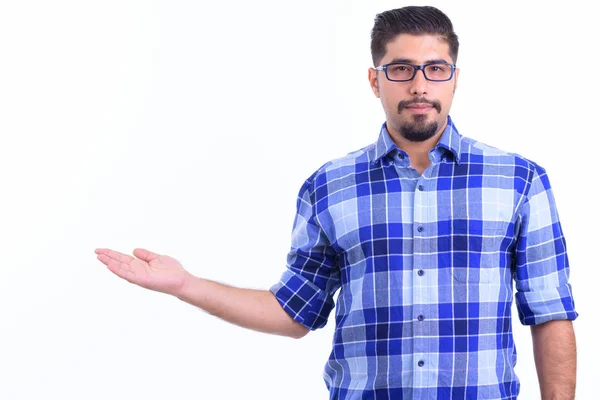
(418, 130)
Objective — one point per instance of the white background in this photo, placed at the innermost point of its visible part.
(188, 127)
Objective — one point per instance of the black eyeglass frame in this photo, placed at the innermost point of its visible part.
(416, 68)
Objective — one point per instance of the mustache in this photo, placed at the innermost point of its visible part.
(405, 103)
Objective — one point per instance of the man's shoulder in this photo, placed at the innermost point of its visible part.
(479, 152)
(354, 162)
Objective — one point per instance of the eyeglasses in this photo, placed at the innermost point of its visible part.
(403, 72)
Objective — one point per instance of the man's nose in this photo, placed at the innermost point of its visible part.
(418, 86)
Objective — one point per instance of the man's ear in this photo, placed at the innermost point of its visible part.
(374, 81)
(456, 72)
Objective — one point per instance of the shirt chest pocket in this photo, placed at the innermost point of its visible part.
(474, 250)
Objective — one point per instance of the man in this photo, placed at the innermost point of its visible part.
(423, 233)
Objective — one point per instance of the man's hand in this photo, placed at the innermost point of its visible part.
(258, 310)
(149, 270)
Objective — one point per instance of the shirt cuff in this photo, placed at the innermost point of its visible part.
(306, 303)
(537, 307)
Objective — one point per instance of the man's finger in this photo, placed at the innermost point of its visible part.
(115, 255)
(145, 255)
(122, 270)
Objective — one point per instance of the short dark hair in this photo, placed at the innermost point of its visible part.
(413, 20)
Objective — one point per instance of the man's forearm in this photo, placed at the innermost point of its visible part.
(258, 310)
(555, 359)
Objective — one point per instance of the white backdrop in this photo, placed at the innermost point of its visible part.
(132, 124)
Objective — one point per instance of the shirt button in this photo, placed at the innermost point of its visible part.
(420, 318)
(421, 188)
(421, 363)
(421, 272)
(420, 229)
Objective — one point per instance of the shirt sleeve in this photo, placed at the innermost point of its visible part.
(306, 288)
(541, 262)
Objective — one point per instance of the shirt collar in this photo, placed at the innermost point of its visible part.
(450, 141)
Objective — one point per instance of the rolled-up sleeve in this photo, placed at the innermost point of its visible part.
(306, 288)
(541, 262)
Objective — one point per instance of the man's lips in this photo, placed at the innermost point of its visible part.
(420, 108)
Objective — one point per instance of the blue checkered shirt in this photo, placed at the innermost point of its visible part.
(425, 266)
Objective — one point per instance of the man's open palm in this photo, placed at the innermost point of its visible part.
(149, 270)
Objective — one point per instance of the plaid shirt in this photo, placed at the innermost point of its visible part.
(425, 267)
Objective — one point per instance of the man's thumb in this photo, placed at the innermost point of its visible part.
(144, 254)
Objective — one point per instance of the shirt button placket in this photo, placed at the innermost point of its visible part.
(421, 296)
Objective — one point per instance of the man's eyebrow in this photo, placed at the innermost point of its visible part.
(409, 61)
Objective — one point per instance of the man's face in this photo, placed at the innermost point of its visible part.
(416, 109)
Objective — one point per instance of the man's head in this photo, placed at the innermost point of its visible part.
(415, 107)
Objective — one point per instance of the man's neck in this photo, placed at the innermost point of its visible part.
(418, 152)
